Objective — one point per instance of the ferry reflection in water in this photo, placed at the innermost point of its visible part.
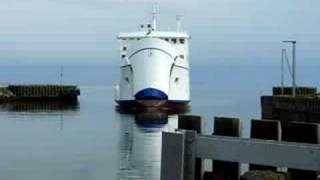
(140, 143)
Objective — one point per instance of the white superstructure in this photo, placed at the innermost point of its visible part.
(154, 67)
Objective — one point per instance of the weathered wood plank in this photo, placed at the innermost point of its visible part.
(192, 122)
(190, 155)
(263, 152)
(172, 156)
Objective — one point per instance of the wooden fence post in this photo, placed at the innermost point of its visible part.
(268, 130)
(172, 156)
(223, 170)
(303, 133)
(190, 122)
(189, 154)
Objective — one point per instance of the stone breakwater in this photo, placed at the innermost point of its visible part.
(39, 92)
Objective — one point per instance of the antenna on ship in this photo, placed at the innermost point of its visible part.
(154, 16)
(178, 18)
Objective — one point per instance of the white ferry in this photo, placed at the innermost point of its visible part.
(154, 68)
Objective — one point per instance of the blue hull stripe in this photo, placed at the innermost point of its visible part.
(169, 101)
(151, 93)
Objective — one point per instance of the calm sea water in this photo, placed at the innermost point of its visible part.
(92, 141)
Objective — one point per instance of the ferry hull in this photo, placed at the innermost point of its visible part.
(164, 105)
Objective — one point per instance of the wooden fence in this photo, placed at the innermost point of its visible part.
(272, 145)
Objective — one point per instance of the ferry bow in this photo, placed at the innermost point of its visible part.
(154, 68)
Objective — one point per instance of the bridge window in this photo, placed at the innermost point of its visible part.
(182, 41)
(123, 55)
(124, 48)
(166, 39)
(174, 40)
(181, 56)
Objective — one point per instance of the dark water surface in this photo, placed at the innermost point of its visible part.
(92, 141)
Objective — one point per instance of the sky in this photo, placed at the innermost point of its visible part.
(227, 32)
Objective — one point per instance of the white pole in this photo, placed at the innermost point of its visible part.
(178, 18)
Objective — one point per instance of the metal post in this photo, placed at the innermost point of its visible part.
(282, 70)
(293, 66)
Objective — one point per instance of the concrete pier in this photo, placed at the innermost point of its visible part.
(300, 91)
(305, 107)
(299, 117)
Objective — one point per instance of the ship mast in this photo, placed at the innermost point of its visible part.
(178, 18)
(154, 16)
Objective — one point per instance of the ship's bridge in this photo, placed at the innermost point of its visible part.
(152, 34)
(178, 40)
